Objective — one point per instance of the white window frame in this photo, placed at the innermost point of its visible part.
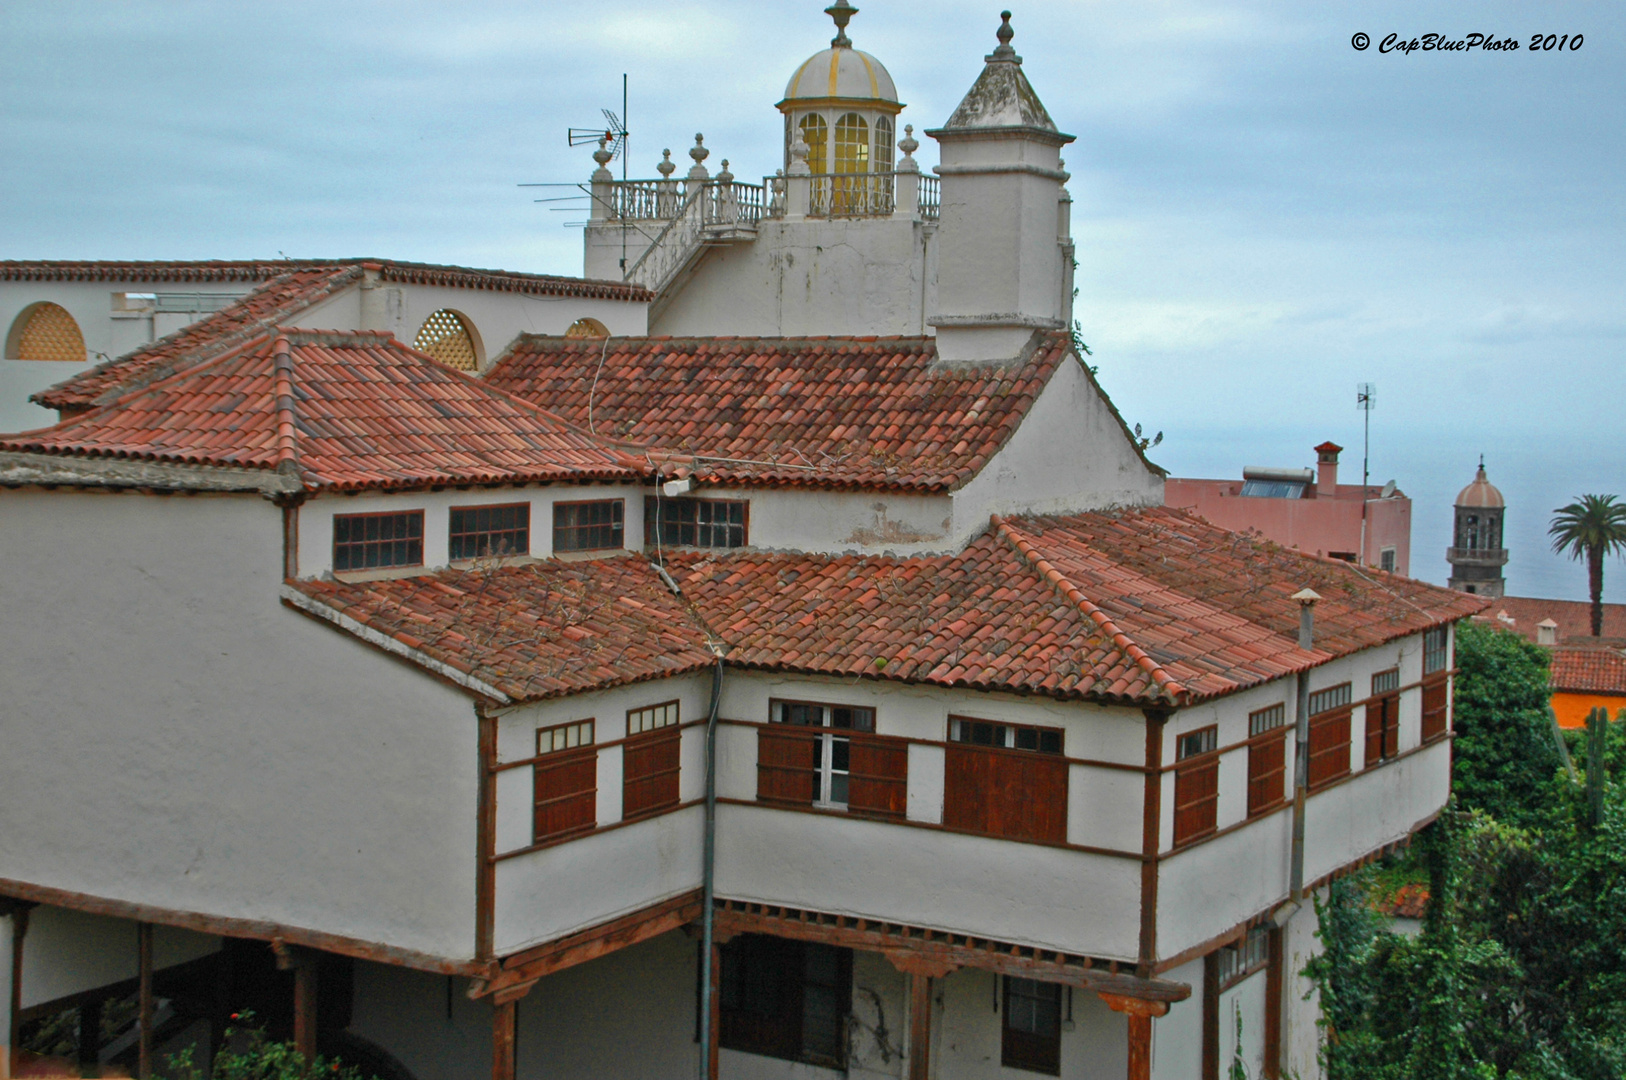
(824, 798)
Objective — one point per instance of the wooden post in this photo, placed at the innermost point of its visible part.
(1151, 837)
(305, 1008)
(920, 1026)
(90, 1037)
(144, 964)
(505, 1030)
(14, 998)
(502, 1040)
(1140, 1014)
(1211, 1016)
(714, 1010)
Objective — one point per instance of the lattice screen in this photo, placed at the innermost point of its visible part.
(444, 337)
(51, 334)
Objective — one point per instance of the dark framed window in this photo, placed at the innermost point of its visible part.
(1031, 1038)
(814, 753)
(1267, 759)
(566, 781)
(1251, 954)
(1435, 649)
(589, 526)
(377, 541)
(1329, 734)
(786, 999)
(1196, 784)
(650, 760)
(1006, 780)
(704, 523)
(1386, 560)
(1383, 717)
(479, 532)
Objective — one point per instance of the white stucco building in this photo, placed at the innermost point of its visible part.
(772, 661)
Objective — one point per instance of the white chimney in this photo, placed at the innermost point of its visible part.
(1546, 632)
(1326, 457)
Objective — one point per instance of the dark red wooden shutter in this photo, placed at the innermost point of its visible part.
(566, 793)
(786, 758)
(1267, 773)
(1017, 794)
(650, 772)
(1329, 746)
(878, 777)
(1391, 726)
(1196, 800)
(1434, 702)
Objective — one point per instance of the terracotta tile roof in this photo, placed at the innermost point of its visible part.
(874, 413)
(1407, 902)
(1574, 617)
(287, 288)
(1143, 606)
(350, 410)
(1139, 608)
(1588, 670)
(533, 631)
(278, 300)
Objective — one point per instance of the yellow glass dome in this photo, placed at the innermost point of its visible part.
(841, 72)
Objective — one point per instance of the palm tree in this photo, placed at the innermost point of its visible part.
(1593, 526)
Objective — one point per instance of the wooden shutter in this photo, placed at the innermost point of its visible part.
(1382, 729)
(1267, 773)
(878, 776)
(1329, 746)
(566, 793)
(1434, 703)
(1018, 794)
(787, 759)
(649, 768)
(1196, 800)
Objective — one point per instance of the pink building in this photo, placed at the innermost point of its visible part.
(1307, 509)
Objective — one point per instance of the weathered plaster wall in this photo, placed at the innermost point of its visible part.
(428, 1022)
(220, 753)
(1070, 454)
(832, 522)
(1245, 1000)
(1210, 887)
(1301, 1001)
(1345, 822)
(814, 276)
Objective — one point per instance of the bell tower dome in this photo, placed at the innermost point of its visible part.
(1476, 554)
(841, 102)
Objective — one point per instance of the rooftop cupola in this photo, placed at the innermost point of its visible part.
(842, 104)
(1004, 269)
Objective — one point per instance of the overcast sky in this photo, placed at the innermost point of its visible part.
(1264, 215)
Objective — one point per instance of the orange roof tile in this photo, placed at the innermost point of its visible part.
(1588, 670)
(534, 631)
(1574, 617)
(875, 413)
(350, 410)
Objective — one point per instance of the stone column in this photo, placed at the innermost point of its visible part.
(798, 182)
(603, 183)
(908, 174)
(698, 174)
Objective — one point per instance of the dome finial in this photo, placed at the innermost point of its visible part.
(1004, 34)
(842, 12)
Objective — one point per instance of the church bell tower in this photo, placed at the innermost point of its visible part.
(1476, 553)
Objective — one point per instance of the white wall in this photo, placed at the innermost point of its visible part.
(1301, 1004)
(1070, 454)
(1347, 821)
(797, 278)
(220, 753)
(497, 318)
(967, 1026)
(1209, 888)
(832, 522)
(1247, 999)
(66, 952)
(1177, 1037)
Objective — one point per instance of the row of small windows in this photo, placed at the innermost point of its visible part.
(383, 541)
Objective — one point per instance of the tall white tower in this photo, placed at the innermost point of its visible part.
(1004, 260)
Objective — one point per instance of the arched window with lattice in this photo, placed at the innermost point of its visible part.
(447, 337)
(852, 144)
(815, 133)
(46, 331)
(587, 327)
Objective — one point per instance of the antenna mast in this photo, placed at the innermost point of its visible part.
(1365, 398)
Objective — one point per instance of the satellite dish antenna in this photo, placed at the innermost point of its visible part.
(1388, 490)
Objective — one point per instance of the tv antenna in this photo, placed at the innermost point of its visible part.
(613, 136)
(1365, 398)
